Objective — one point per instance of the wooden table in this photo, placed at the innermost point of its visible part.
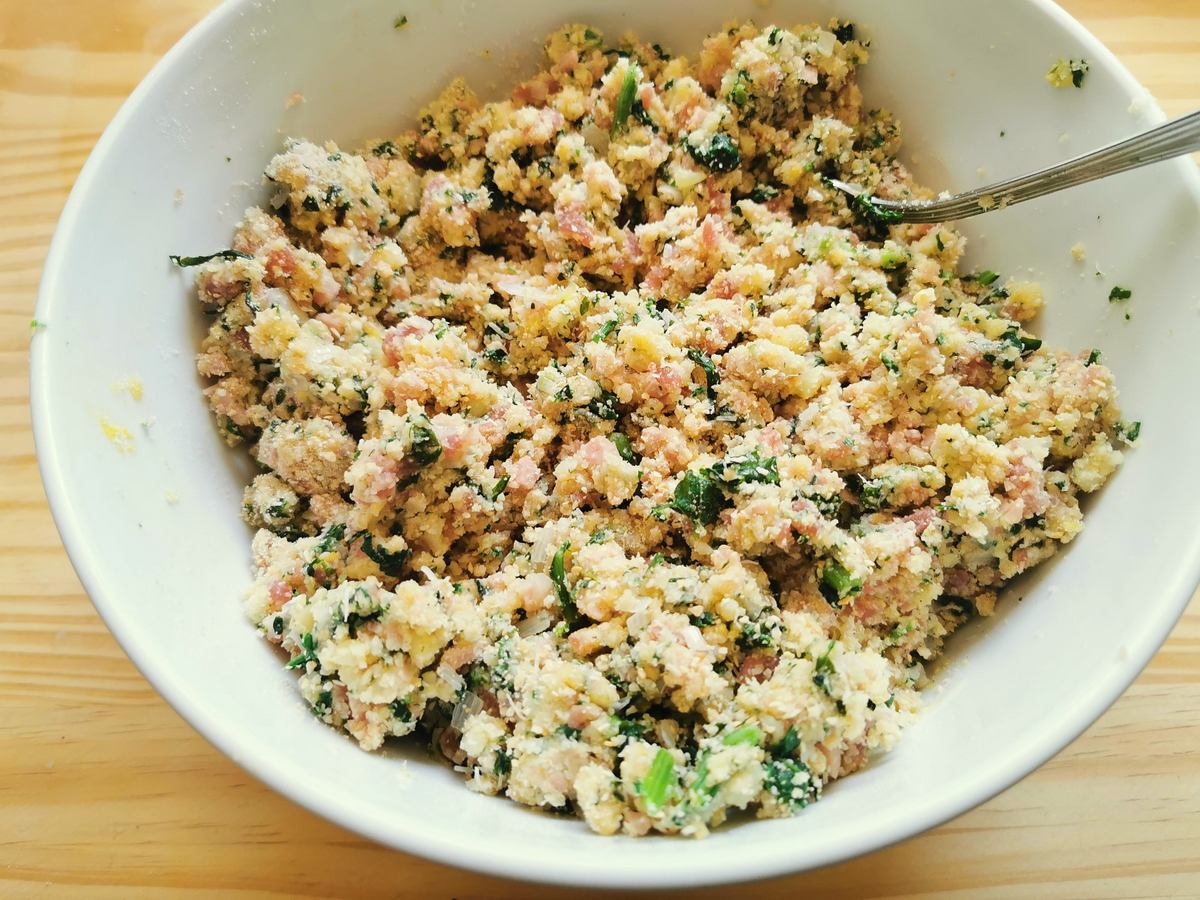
(105, 791)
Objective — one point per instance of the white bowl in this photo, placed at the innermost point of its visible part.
(966, 79)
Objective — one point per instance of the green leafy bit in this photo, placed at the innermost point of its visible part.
(699, 496)
(1023, 343)
(750, 469)
(499, 488)
(604, 406)
(400, 22)
(899, 631)
(747, 734)
(788, 744)
(1119, 294)
(763, 192)
(658, 781)
(623, 447)
(625, 99)
(823, 668)
(868, 211)
(1129, 431)
(400, 710)
(790, 782)
(187, 261)
(558, 575)
(628, 727)
(308, 652)
(711, 375)
(837, 583)
(844, 31)
(35, 325)
(606, 329)
(1093, 358)
(503, 765)
(334, 534)
(720, 154)
(739, 94)
(872, 492)
(424, 446)
(889, 363)
(390, 562)
(986, 277)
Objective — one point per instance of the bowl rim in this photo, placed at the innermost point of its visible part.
(407, 835)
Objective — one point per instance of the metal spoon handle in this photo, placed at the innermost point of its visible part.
(1163, 142)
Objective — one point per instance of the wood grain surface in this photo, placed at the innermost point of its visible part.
(105, 791)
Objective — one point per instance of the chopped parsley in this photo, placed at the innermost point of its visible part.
(720, 154)
(837, 583)
(400, 22)
(390, 562)
(750, 469)
(185, 262)
(307, 654)
(658, 781)
(424, 446)
(558, 575)
(711, 375)
(623, 447)
(823, 668)
(625, 100)
(790, 782)
(499, 488)
(1119, 294)
(699, 496)
(985, 277)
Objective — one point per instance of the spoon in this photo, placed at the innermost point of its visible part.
(1163, 142)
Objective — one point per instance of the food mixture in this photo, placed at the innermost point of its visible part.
(611, 453)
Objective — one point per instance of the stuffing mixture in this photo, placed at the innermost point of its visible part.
(609, 452)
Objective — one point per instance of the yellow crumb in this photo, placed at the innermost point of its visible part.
(171, 497)
(131, 386)
(294, 99)
(178, 196)
(986, 202)
(118, 436)
(1078, 251)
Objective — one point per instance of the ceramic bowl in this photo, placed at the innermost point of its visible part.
(180, 162)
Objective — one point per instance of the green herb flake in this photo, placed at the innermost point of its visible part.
(711, 376)
(185, 262)
(400, 22)
(391, 563)
(625, 98)
(621, 442)
(747, 734)
(658, 781)
(986, 277)
(424, 446)
(788, 744)
(558, 575)
(720, 154)
(699, 497)
(837, 583)
(1119, 294)
(823, 668)
(498, 489)
(790, 782)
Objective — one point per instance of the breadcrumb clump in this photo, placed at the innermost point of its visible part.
(610, 452)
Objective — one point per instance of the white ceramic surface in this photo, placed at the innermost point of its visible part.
(967, 81)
